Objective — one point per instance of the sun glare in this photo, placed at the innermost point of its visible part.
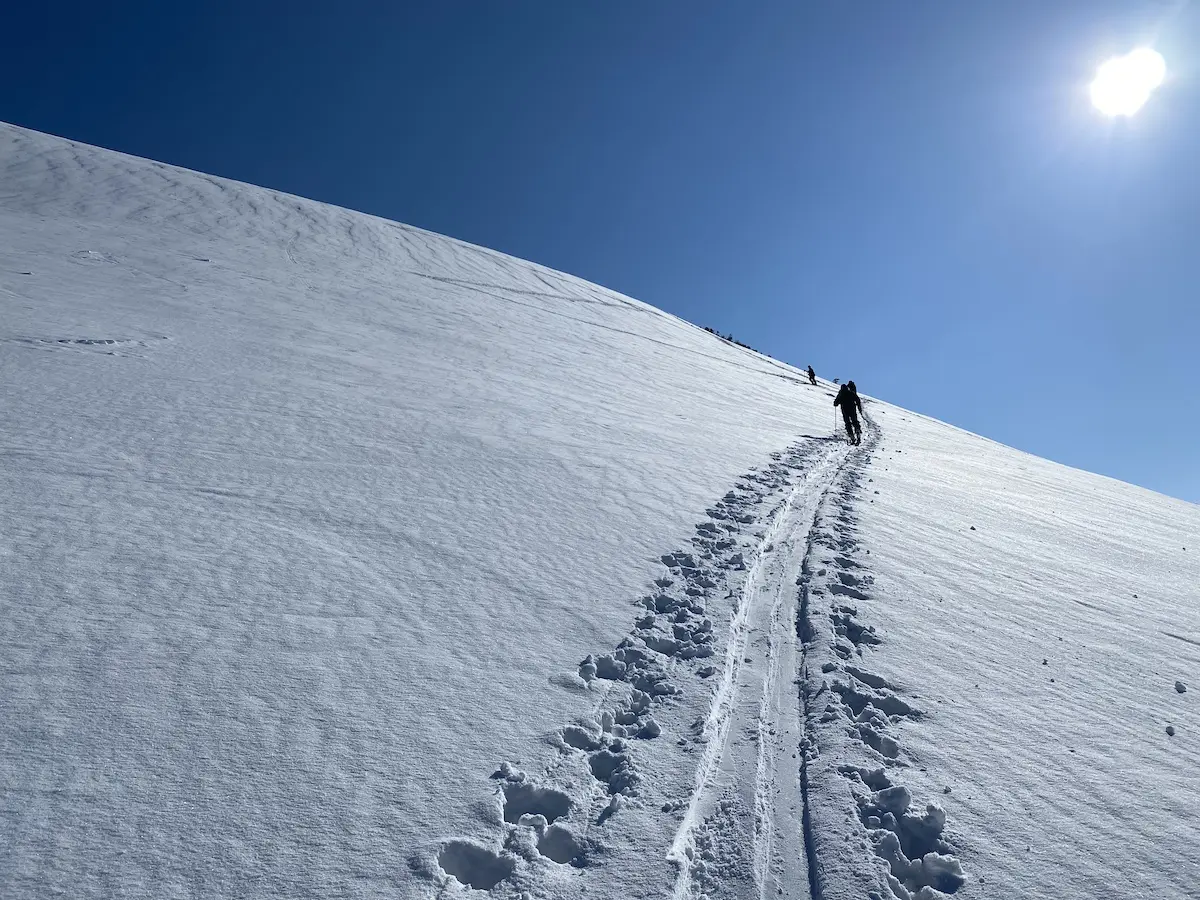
(1124, 83)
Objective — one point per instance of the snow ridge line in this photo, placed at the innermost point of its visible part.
(714, 808)
(852, 722)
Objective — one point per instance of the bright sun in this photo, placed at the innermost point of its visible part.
(1124, 83)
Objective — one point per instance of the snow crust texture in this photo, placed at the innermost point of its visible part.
(341, 559)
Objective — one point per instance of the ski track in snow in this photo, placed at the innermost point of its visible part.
(749, 722)
(792, 698)
(798, 698)
(748, 548)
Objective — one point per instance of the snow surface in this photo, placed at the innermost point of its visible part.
(341, 559)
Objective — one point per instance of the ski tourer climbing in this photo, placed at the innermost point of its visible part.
(812, 376)
(847, 399)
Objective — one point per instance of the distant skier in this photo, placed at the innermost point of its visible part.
(812, 376)
(847, 399)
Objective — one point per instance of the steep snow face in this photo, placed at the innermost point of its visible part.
(305, 512)
(344, 559)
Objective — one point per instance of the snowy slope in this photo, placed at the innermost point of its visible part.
(314, 523)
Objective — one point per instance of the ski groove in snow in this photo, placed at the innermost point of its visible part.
(745, 774)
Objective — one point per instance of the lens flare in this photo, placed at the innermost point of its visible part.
(1124, 83)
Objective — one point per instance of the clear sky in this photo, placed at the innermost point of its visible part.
(915, 195)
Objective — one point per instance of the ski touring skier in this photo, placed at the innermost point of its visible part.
(847, 399)
(812, 376)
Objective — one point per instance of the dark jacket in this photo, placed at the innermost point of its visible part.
(847, 400)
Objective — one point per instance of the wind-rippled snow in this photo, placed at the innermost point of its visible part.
(310, 520)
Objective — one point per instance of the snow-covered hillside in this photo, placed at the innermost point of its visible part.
(341, 559)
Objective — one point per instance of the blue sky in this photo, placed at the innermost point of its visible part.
(915, 195)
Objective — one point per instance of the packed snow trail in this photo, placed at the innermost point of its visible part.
(743, 825)
(733, 591)
(803, 745)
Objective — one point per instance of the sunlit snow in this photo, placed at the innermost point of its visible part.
(341, 559)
